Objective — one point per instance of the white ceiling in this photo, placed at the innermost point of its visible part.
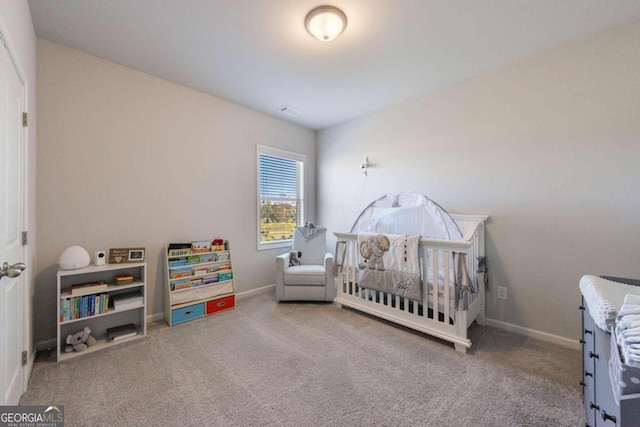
(257, 52)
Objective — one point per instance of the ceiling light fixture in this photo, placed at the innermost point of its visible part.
(325, 23)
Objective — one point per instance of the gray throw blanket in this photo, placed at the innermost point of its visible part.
(309, 231)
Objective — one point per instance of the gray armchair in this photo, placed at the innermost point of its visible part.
(312, 280)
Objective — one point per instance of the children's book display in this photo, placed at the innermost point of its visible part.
(199, 280)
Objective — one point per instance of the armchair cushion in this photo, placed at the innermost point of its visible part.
(305, 275)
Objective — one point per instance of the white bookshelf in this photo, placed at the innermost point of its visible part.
(99, 323)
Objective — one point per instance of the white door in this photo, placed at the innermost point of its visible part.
(12, 210)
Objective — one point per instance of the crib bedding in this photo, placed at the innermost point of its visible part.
(390, 263)
(396, 269)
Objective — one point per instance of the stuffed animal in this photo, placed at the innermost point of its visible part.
(294, 258)
(79, 341)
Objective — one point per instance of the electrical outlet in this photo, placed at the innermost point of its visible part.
(502, 292)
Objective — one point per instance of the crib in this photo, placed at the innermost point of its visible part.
(437, 314)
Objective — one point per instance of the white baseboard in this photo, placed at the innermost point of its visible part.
(252, 292)
(532, 333)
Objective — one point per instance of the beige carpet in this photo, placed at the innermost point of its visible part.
(289, 364)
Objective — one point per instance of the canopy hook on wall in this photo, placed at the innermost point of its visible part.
(364, 166)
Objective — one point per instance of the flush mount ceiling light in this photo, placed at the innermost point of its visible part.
(325, 23)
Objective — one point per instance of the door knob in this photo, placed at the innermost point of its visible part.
(12, 270)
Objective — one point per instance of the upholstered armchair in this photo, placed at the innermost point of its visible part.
(312, 280)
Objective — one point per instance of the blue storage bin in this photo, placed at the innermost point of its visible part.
(185, 314)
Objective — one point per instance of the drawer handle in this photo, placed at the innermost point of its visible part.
(221, 304)
(186, 313)
(607, 417)
(591, 406)
(592, 355)
(586, 331)
(588, 374)
(581, 307)
(583, 342)
(582, 383)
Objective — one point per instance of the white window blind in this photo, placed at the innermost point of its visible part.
(280, 196)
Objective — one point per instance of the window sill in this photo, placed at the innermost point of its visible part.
(287, 244)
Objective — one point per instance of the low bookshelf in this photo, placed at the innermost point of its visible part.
(199, 280)
(86, 298)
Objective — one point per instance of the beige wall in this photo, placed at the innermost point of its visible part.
(549, 147)
(17, 28)
(126, 160)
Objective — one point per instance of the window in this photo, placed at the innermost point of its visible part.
(280, 196)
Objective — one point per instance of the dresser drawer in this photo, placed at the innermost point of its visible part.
(184, 314)
(220, 304)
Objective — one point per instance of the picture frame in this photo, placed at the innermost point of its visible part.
(136, 255)
(126, 255)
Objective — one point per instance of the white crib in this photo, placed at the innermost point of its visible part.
(437, 314)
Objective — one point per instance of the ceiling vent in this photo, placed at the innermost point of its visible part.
(289, 111)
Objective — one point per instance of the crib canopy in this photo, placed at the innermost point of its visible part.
(407, 213)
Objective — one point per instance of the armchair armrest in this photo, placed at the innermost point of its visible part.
(328, 260)
(329, 275)
(282, 262)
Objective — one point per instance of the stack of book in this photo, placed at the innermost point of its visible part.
(84, 300)
(121, 332)
(83, 306)
(88, 288)
(123, 279)
(127, 300)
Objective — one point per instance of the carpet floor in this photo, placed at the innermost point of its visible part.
(302, 364)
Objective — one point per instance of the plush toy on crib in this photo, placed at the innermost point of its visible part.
(79, 341)
(294, 258)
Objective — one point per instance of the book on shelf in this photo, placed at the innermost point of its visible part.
(123, 279)
(88, 288)
(193, 259)
(127, 300)
(207, 258)
(121, 332)
(200, 246)
(177, 249)
(179, 272)
(177, 262)
(199, 271)
(83, 306)
(182, 285)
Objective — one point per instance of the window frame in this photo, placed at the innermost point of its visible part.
(288, 155)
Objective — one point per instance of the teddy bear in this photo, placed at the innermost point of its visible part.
(294, 258)
(79, 341)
